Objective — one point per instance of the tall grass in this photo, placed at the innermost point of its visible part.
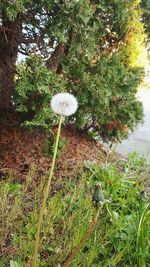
(143, 237)
(116, 239)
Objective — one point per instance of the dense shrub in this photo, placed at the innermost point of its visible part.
(105, 91)
(94, 53)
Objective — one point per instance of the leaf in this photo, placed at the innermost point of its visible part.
(14, 187)
(15, 264)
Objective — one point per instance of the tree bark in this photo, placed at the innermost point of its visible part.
(54, 61)
(9, 41)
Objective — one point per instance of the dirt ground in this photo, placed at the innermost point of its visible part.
(21, 148)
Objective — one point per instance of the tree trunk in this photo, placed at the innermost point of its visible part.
(9, 41)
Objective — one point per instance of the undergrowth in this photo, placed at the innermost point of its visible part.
(117, 241)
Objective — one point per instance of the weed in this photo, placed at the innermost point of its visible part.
(48, 146)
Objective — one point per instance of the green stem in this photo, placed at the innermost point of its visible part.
(46, 193)
(82, 242)
(140, 238)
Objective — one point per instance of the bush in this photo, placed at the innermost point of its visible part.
(106, 95)
(105, 91)
(95, 50)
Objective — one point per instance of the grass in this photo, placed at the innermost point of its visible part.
(118, 239)
(142, 236)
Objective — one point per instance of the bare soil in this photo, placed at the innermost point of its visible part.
(20, 149)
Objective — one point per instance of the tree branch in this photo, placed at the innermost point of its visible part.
(53, 62)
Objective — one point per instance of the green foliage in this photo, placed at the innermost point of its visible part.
(146, 15)
(13, 7)
(106, 94)
(105, 91)
(35, 87)
(14, 264)
(133, 47)
(142, 237)
(69, 214)
(92, 50)
(48, 146)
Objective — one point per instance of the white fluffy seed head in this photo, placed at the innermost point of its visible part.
(64, 104)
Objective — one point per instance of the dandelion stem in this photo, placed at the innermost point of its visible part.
(46, 193)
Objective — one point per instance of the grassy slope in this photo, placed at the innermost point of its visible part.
(69, 215)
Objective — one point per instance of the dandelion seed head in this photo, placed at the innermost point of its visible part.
(64, 104)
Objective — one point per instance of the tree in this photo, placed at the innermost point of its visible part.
(90, 48)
